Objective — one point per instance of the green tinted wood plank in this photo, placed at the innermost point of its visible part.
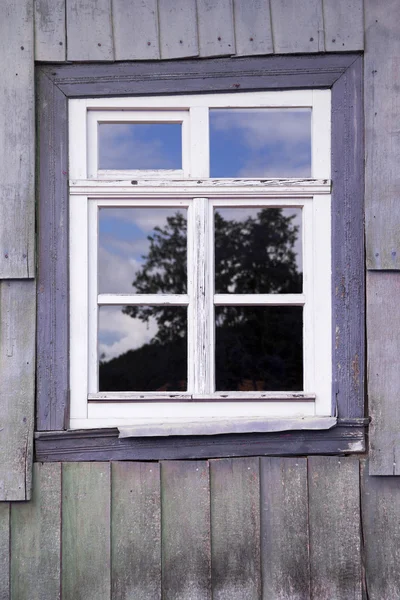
(178, 28)
(17, 387)
(215, 26)
(186, 553)
(86, 531)
(252, 27)
(36, 537)
(382, 109)
(50, 30)
(380, 504)
(136, 531)
(17, 141)
(135, 26)
(383, 342)
(344, 25)
(297, 26)
(235, 529)
(334, 518)
(5, 551)
(89, 30)
(285, 563)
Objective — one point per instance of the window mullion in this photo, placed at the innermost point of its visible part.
(199, 142)
(201, 306)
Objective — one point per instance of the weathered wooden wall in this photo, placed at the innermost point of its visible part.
(229, 529)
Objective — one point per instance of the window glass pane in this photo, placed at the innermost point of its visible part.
(142, 250)
(140, 145)
(142, 348)
(258, 250)
(260, 142)
(259, 348)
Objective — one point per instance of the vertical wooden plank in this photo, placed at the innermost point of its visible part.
(344, 25)
(380, 505)
(334, 518)
(35, 538)
(5, 551)
(252, 20)
(297, 26)
(215, 23)
(17, 387)
(89, 30)
(52, 379)
(135, 26)
(186, 553)
(178, 28)
(285, 563)
(86, 568)
(382, 109)
(136, 531)
(17, 141)
(348, 301)
(383, 326)
(50, 30)
(235, 529)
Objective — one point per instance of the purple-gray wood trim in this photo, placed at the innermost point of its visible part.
(206, 75)
(104, 444)
(52, 250)
(348, 253)
(343, 72)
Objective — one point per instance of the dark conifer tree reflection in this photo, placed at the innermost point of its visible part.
(257, 348)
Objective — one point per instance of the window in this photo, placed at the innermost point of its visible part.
(149, 85)
(200, 257)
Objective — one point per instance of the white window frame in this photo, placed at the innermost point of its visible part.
(91, 188)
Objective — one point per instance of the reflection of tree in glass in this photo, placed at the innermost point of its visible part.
(256, 348)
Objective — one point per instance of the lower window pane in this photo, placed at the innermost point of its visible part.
(142, 348)
(259, 348)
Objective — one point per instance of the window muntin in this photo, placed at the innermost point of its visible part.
(222, 195)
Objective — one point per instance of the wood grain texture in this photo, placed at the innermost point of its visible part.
(348, 343)
(253, 35)
(89, 30)
(178, 28)
(99, 445)
(17, 387)
(36, 537)
(136, 531)
(297, 26)
(335, 535)
(17, 141)
(186, 552)
(285, 561)
(86, 561)
(380, 504)
(215, 26)
(52, 379)
(135, 26)
(382, 108)
(383, 326)
(344, 25)
(50, 40)
(5, 551)
(235, 529)
(213, 75)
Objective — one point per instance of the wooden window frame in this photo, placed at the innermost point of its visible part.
(56, 84)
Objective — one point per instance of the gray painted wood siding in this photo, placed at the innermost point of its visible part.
(103, 30)
(244, 528)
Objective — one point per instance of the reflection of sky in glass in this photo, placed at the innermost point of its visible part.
(139, 365)
(140, 146)
(123, 241)
(261, 142)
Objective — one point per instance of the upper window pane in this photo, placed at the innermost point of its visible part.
(142, 251)
(137, 146)
(260, 142)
